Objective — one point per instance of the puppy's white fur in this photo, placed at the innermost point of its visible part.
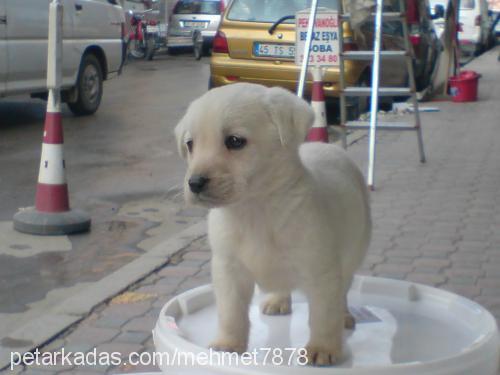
(282, 216)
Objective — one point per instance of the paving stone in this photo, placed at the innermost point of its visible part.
(397, 271)
(90, 369)
(396, 260)
(463, 280)
(374, 259)
(125, 349)
(15, 371)
(158, 289)
(189, 284)
(46, 369)
(402, 253)
(179, 271)
(54, 345)
(491, 282)
(160, 302)
(464, 272)
(197, 255)
(38, 371)
(426, 278)
(141, 324)
(489, 302)
(436, 264)
(130, 369)
(92, 335)
(469, 291)
(80, 347)
(426, 270)
(111, 321)
(488, 291)
(128, 309)
(196, 263)
(491, 270)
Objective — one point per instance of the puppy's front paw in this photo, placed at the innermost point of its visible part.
(277, 305)
(322, 356)
(224, 345)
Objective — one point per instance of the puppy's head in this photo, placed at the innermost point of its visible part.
(235, 139)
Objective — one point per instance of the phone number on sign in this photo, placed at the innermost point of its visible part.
(321, 58)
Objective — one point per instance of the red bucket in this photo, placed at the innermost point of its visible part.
(463, 88)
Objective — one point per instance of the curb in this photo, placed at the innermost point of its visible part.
(72, 310)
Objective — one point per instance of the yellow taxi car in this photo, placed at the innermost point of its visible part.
(256, 43)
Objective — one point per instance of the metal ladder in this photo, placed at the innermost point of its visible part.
(375, 91)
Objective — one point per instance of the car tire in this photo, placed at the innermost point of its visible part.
(150, 47)
(89, 87)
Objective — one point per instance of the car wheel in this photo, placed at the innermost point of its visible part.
(198, 48)
(89, 85)
(150, 47)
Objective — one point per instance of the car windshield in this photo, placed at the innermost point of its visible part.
(197, 7)
(464, 4)
(271, 10)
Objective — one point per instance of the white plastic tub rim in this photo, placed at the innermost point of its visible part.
(480, 356)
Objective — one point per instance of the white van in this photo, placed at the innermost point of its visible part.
(92, 52)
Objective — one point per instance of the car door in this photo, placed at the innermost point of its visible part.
(3, 46)
(27, 33)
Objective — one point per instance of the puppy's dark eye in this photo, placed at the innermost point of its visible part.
(234, 142)
(189, 145)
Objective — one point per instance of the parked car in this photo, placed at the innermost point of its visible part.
(246, 24)
(475, 31)
(193, 23)
(92, 49)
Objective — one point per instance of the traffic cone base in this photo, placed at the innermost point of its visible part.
(32, 221)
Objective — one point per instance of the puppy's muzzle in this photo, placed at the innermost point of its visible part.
(197, 183)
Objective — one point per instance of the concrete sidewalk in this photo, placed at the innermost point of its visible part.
(437, 224)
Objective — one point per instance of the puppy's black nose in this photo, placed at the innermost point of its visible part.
(197, 183)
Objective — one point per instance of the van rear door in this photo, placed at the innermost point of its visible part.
(3, 46)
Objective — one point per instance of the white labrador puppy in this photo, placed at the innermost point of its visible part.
(282, 217)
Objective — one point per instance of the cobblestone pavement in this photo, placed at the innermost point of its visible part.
(436, 224)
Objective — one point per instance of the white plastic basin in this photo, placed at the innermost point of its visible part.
(402, 328)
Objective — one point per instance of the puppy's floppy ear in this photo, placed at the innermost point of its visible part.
(180, 131)
(291, 115)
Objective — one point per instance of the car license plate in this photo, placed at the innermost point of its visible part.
(196, 24)
(285, 51)
(152, 29)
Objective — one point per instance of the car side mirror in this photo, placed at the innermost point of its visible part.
(438, 11)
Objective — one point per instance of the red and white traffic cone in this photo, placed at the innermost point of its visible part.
(318, 132)
(52, 214)
(52, 189)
